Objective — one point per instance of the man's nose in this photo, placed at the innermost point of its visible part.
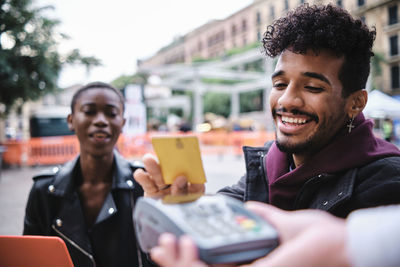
(100, 119)
(291, 98)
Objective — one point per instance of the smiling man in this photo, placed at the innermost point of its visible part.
(325, 155)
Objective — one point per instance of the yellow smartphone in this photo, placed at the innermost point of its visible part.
(179, 155)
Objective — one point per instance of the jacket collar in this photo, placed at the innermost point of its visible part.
(63, 183)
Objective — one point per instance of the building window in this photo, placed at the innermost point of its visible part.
(395, 73)
(272, 12)
(233, 30)
(258, 18)
(286, 5)
(393, 19)
(394, 45)
(258, 35)
(339, 3)
(360, 2)
(244, 25)
(301, 1)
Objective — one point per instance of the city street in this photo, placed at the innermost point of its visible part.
(15, 184)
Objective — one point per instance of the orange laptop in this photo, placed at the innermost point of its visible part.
(33, 251)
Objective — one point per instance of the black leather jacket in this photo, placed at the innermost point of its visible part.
(375, 184)
(54, 209)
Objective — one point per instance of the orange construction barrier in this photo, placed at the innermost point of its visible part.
(52, 150)
(134, 147)
(15, 152)
(60, 149)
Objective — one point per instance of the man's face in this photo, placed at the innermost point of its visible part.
(306, 101)
(97, 121)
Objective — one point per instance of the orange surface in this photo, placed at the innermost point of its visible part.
(33, 251)
(60, 149)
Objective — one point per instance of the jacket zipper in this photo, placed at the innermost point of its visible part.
(75, 245)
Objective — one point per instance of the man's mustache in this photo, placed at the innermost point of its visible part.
(295, 112)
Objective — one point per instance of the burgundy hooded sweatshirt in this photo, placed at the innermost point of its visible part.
(346, 151)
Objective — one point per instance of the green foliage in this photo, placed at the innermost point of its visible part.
(201, 60)
(122, 81)
(257, 66)
(177, 111)
(217, 103)
(29, 61)
(231, 52)
(376, 70)
(240, 50)
(251, 101)
(220, 81)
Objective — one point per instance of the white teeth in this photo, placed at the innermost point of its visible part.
(293, 120)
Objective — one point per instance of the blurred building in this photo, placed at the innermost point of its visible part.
(246, 27)
(56, 105)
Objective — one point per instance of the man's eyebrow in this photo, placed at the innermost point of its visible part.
(277, 73)
(317, 76)
(92, 104)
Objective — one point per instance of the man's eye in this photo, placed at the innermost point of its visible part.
(279, 85)
(111, 113)
(89, 112)
(314, 89)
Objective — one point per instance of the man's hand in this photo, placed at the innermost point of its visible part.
(168, 254)
(309, 238)
(153, 184)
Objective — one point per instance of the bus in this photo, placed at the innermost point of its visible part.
(49, 121)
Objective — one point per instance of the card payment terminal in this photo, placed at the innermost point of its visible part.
(223, 230)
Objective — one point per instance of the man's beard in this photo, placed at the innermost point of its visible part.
(310, 145)
(315, 142)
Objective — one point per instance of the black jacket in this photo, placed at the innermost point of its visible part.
(54, 209)
(375, 184)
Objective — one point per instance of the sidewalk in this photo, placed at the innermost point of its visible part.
(15, 184)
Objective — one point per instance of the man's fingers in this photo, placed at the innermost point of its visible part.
(180, 186)
(153, 168)
(165, 254)
(196, 188)
(188, 250)
(144, 179)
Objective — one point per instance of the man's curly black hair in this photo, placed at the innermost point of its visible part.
(325, 27)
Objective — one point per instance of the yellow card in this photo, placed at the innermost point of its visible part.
(179, 155)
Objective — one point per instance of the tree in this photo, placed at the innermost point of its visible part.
(29, 61)
(122, 81)
(217, 103)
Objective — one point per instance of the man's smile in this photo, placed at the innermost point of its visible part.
(286, 119)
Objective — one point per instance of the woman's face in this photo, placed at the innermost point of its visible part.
(97, 120)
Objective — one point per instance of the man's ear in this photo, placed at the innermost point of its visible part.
(356, 103)
(69, 121)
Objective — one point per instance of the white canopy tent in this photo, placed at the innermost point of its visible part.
(381, 105)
